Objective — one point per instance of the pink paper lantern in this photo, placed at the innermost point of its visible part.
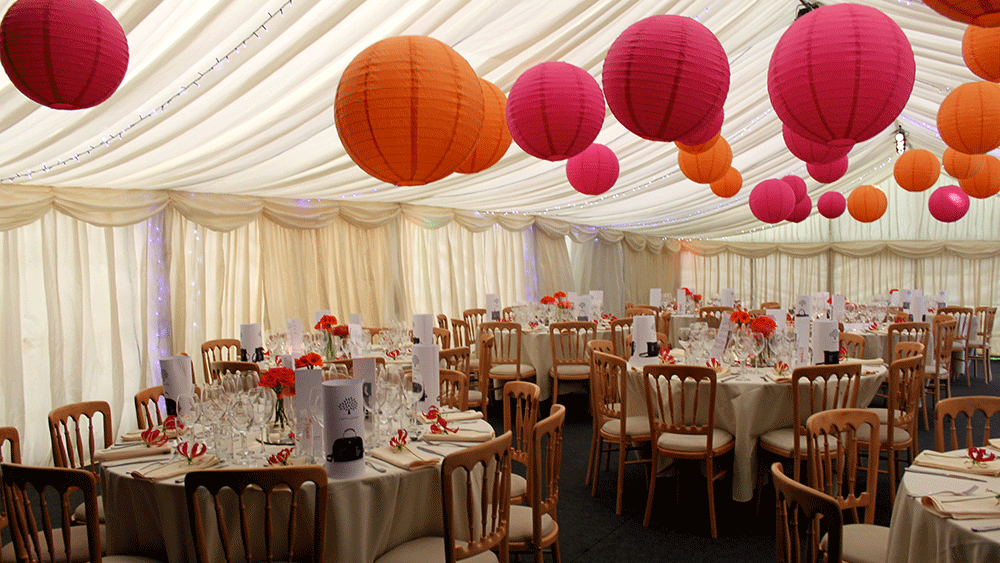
(841, 74)
(555, 110)
(798, 186)
(811, 151)
(593, 171)
(705, 132)
(70, 54)
(827, 173)
(772, 201)
(801, 211)
(948, 204)
(831, 205)
(665, 76)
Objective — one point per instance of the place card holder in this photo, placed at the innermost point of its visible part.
(826, 342)
(251, 343)
(423, 328)
(175, 373)
(293, 327)
(722, 337)
(343, 428)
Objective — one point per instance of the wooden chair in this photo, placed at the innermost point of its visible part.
(506, 359)
(838, 439)
(473, 318)
(461, 334)
(898, 422)
(979, 343)
(146, 405)
(799, 512)
(620, 329)
(963, 334)
(455, 358)
(854, 344)
(569, 352)
(937, 368)
(534, 527)
(69, 450)
(680, 403)
(283, 492)
(485, 364)
(770, 305)
(754, 313)
(616, 428)
(219, 350)
(968, 406)
(520, 413)
(665, 322)
(714, 315)
(904, 332)
(9, 436)
(346, 365)
(442, 337)
(483, 516)
(442, 321)
(507, 314)
(454, 389)
(606, 347)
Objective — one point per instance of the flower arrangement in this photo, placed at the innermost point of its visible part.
(980, 456)
(310, 360)
(280, 458)
(282, 380)
(548, 300)
(764, 325)
(740, 318)
(191, 450)
(565, 305)
(560, 295)
(154, 437)
(399, 440)
(326, 324)
(341, 331)
(696, 297)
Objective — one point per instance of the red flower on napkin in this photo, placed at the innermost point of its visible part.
(548, 300)
(173, 423)
(399, 440)
(280, 458)
(433, 412)
(782, 369)
(393, 354)
(282, 380)
(713, 363)
(311, 360)
(327, 323)
(609, 317)
(666, 358)
(154, 437)
(191, 450)
(980, 456)
(441, 427)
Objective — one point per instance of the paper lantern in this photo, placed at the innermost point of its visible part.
(801, 211)
(984, 13)
(987, 182)
(593, 171)
(494, 139)
(981, 51)
(841, 74)
(70, 54)
(827, 173)
(695, 149)
(729, 185)
(772, 201)
(706, 131)
(831, 205)
(948, 204)
(916, 170)
(409, 110)
(811, 151)
(969, 118)
(664, 76)
(555, 110)
(960, 165)
(708, 166)
(798, 186)
(867, 203)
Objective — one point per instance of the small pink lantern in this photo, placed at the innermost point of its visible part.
(841, 74)
(811, 151)
(665, 76)
(827, 173)
(948, 204)
(555, 110)
(772, 201)
(706, 132)
(831, 205)
(798, 186)
(593, 171)
(801, 211)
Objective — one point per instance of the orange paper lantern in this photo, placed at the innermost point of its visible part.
(729, 185)
(960, 165)
(494, 138)
(867, 203)
(695, 149)
(981, 51)
(409, 110)
(985, 13)
(969, 118)
(987, 182)
(708, 166)
(916, 170)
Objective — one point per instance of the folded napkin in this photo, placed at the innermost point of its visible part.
(961, 507)
(136, 435)
(177, 468)
(864, 361)
(405, 458)
(453, 416)
(963, 464)
(994, 443)
(460, 436)
(721, 371)
(111, 454)
(773, 376)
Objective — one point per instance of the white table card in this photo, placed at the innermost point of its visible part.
(583, 308)
(803, 306)
(821, 309)
(942, 298)
(355, 319)
(645, 349)
(343, 428)
(355, 340)
(656, 297)
(305, 381)
(293, 327)
(251, 343)
(802, 326)
(839, 306)
(320, 314)
(597, 295)
(778, 316)
(175, 373)
(825, 342)
(426, 370)
(492, 307)
(365, 370)
(917, 308)
(896, 298)
(287, 360)
(906, 293)
(681, 301)
(728, 298)
(423, 328)
(722, 337)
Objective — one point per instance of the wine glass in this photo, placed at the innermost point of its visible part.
(317, 406)
(188, 413)
(740, 350)
(262, 401)
(757, 342)
(413, 391)
(213, 410)
(240, 416)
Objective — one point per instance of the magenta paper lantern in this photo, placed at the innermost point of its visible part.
(798, 186)
(66, 54)
(841, 74)
(665, 76)
(948, 204)
(705, 132)
(827, 173)
(801, 211)
(811, 151)
(772, 201)
(555, 110)
(593, 171)
(831, 205)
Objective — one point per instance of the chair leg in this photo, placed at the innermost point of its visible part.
(555, 390)
(622, 454)
(710, 476)
(891, 460)
(591, 464)
(968, 375)
(556, 558)
(652, 490)
(597, 465)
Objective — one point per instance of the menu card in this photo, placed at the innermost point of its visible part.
(597, 296)
(492, 306)
(722, 337)
(825, 342)
(426, 370)
(423, 328)
(681, 301)
(175, 372)
(294, 329)
(320, 314)
(655, 297)
(839, 305)
(251, 343)
(728, 298)
(645, 347)
(583, 308)
(802, 326)
(343, 428)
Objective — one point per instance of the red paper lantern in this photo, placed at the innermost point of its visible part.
(695, 149)
(665, 76)
(801, 211)
(841, 74)
(916, 170)
(981, 51)
(960, 165)
(708, 166)
(831, 205)
(494, 139)
(827, 173)
(987, 182)
(729, 185)
(555, 110)
(811, 151)
(772, 201)
(969, 118)
(706, 131)
(798, 186)
(593, 171)
(867, 203)
(409, 110)
(66, 54)
(984, 13)
(948, 204)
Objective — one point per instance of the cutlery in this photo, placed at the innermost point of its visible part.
(954, 475)
(963, 499)
(145, 459)
(985, 528)
(126, 445)
(428, 450)
(375, 467)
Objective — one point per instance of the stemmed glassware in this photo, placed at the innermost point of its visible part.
(213, 410)
(262, 400)
(412, 391)
(189, 413)
(241, 416)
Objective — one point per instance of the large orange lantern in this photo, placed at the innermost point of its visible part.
(969, 118)
(987, 182)
(709, 166)
(960, 165)
(867, 203)
(494, 139)
(409, 110)
(985, 13)
(981, 51)
(729, 185)
(916, 170)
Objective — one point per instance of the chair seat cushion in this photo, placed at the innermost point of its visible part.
(510, 370)
(80, 514)
(475, 396)
(634, 426)
(518, 485)
(931, 370)
(975, 343)
(79, 550)
(693, 442)
(429, 549)
(579, 371)
(899, 435)
(784, 438)
(520, 524)
(883, 414)
(863, 543)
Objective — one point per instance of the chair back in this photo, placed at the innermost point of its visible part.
(506, 341)
(820, 388)
(473, 317)
(70, 448)
(908, 332)
(835, 458)
(905, 386)
(986, 317)
(219, 350)
(569, 342)
(799, 512)
(461, 334)
(770, 305)
(442, 320)
(620, 329)
(680, 399)
(481, 475)
(714, 315)
(963, 315)
(486, 343)
(442, 337)
(971, 407)
(852, 344)
(507, 314)
(454, 389)
(609, 386)
(520, 413)
(242, 505)
(665, 322)
(147, 405)
(458, 359)
(907, 350)
(9, 436)
(945, 327)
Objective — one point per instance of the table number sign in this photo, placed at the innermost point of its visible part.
(942, 298)
(251, 343)
(343, 428)
(423, 328)
(681, 301)
(803, 306)
(656, 297)
(583, 308)
(645, 349)
(493, 306)
(728, 298)
(427, 371)
(825, 342)
(175, 373)
(287, 360)
(293, 327)
(721, 337)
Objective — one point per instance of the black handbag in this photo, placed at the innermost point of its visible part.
(347, 448)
